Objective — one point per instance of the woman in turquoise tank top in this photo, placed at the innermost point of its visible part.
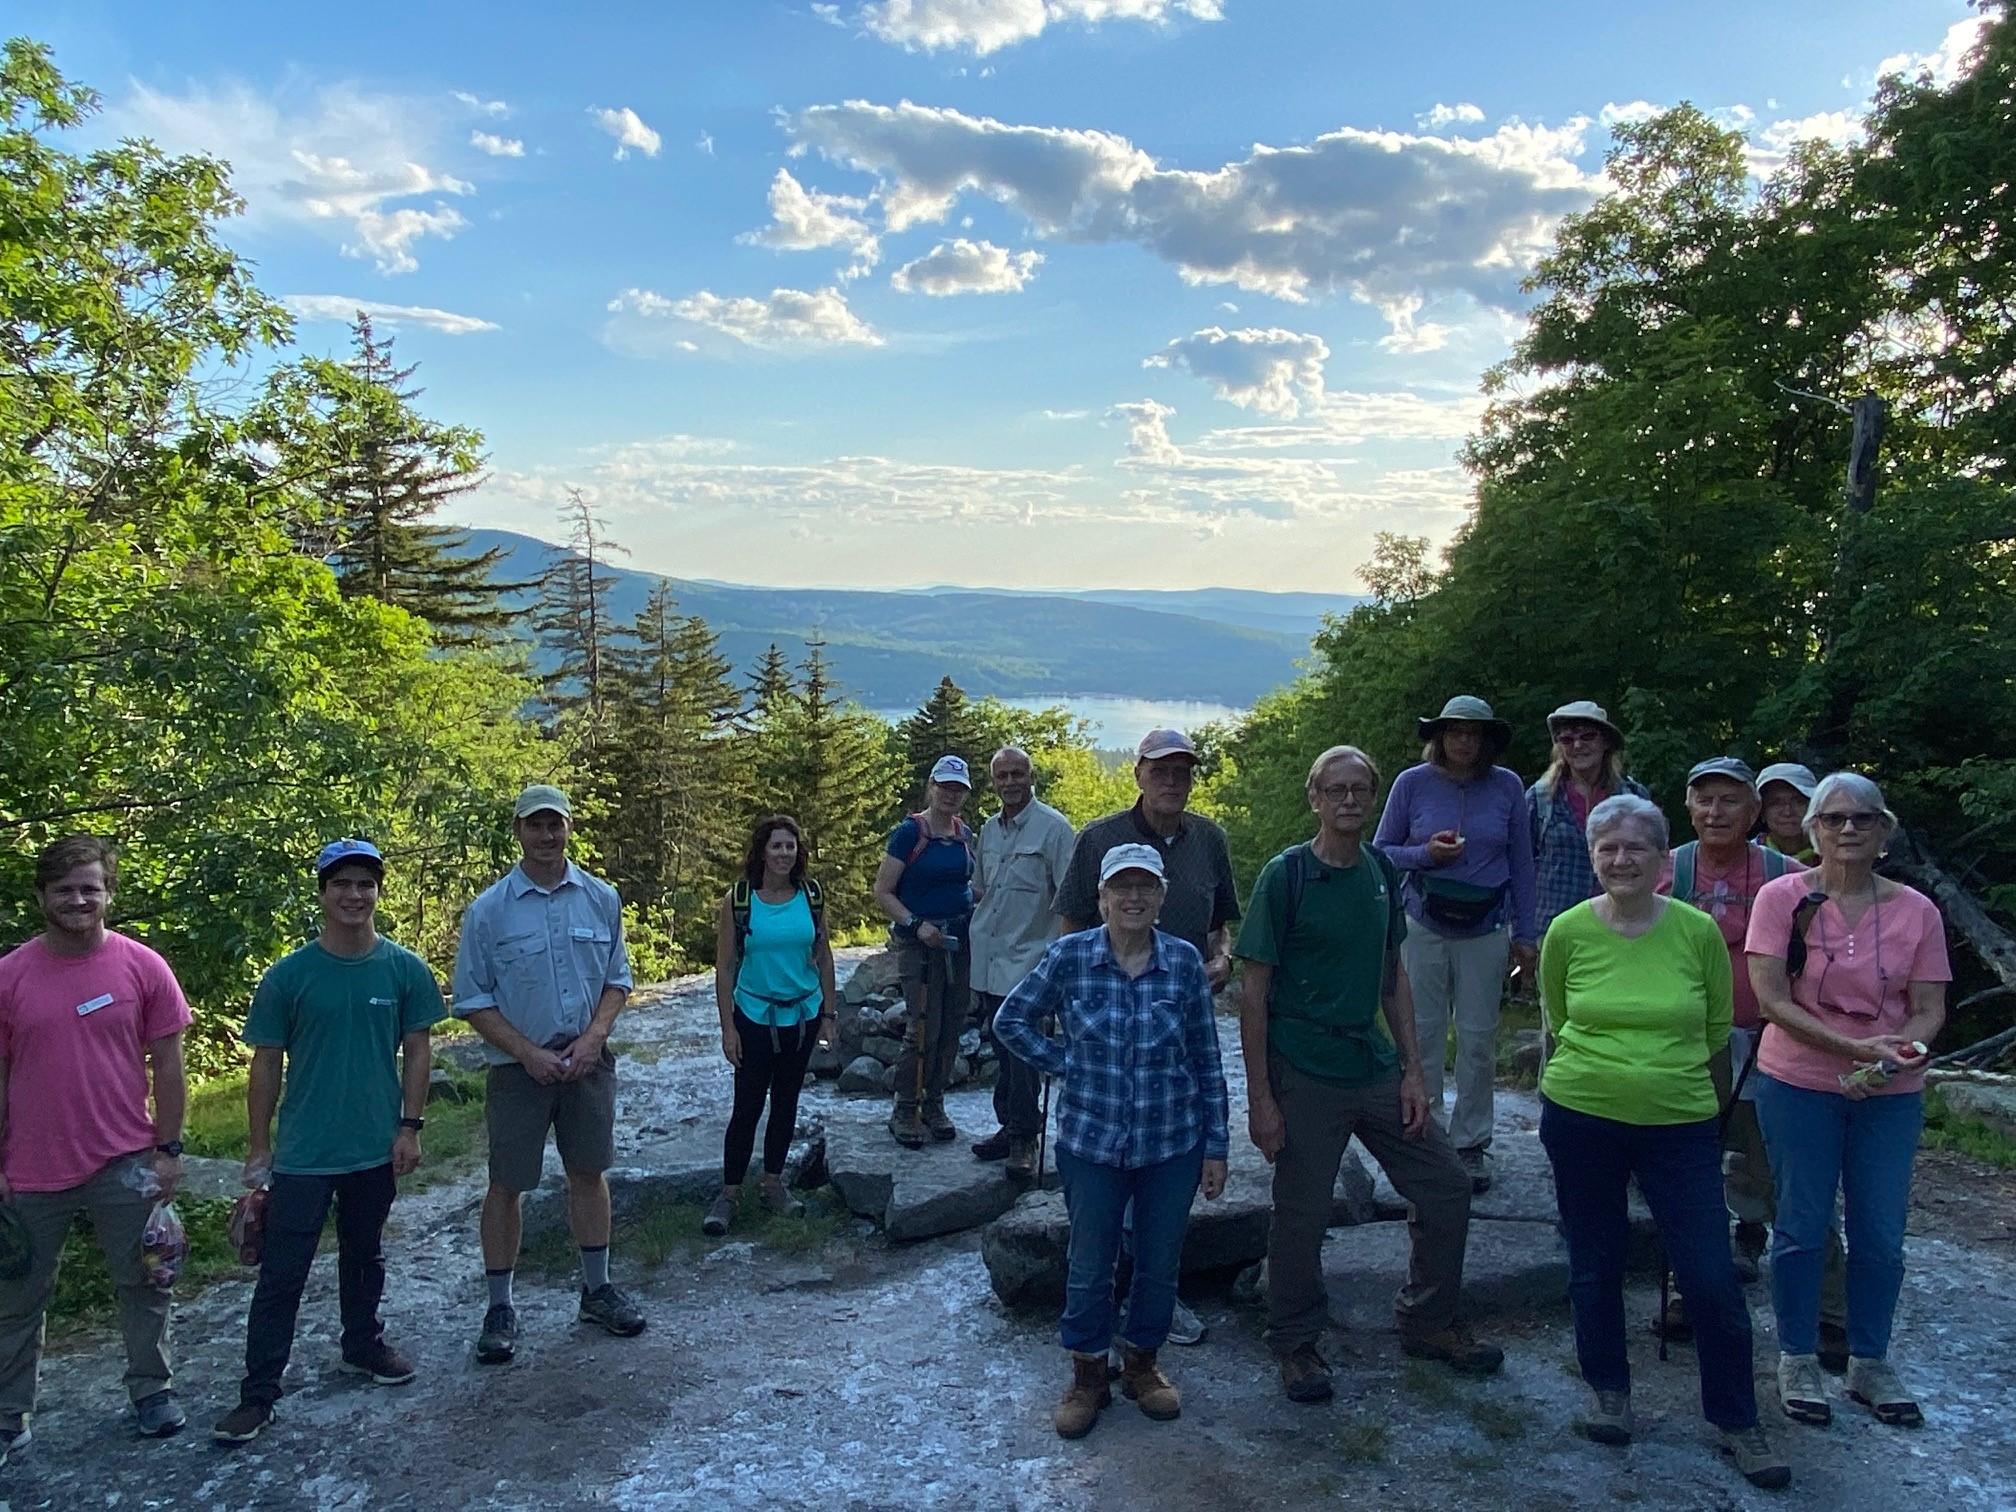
(773, 984)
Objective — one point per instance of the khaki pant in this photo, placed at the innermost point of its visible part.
(1460, 979)
(118, 1216)
(1320, 1120)
(936, 987)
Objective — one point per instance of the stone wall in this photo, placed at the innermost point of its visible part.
(871, 1036)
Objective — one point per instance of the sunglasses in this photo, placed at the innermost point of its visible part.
(1861, 819)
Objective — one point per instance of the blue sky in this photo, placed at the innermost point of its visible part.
(1070, 293)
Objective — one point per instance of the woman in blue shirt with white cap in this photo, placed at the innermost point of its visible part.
(925, 886)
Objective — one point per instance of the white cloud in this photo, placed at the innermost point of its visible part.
(1272, 371)
(967, 267)
(802, 220)
(1348, 418)
(496, 146)
(339, 160)
(1773, 145)
(985, 26)
(1449, 115)
(1947, 62)
(788, 318)
(705, 142)
(341, 307)
(828, 13)
(1382, 216)
(1056, 414)
(1403, 334)
(1630, 113)
(628, 130)
(494, 108)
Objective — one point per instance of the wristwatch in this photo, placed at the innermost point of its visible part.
(415, 1124)
(172, 1149)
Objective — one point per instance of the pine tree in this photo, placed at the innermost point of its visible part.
(573, 619)
(382, 472)
(947, 725)
(770, 688)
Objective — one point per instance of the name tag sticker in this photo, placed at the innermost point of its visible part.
(103, 1000)
(579, 933)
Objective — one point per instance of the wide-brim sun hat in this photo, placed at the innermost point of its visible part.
(1469, 709)
(1584, 711)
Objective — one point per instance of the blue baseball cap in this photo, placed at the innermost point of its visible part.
(336, 852)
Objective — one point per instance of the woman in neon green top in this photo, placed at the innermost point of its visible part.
(1636, 990)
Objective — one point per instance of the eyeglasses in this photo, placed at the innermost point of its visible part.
(1861, 819)
(1577, 737)
(1133, 889)
(1337, 792)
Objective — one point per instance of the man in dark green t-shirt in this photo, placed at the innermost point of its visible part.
(1321, 954)
(340, 1013)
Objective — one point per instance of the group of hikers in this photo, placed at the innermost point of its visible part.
(1738, 1025)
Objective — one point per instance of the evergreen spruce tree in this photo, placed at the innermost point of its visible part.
(381, 472)
(573, 619)
(947, 725)
(770, 689)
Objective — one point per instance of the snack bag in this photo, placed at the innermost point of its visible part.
(248, 1225)
(163, 1246)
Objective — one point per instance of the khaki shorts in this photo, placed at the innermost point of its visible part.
(518, 1112)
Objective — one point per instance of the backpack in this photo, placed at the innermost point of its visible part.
(1295, 862)
(960, 832)
(1775, 866)
(739, 907)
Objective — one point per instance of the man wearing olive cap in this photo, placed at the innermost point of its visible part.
(541, 973)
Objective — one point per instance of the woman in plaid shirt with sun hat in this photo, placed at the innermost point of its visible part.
(1141, 1119)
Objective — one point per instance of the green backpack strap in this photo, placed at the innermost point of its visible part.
(738, 908)
(1683, 870)
(815, 899)
(1776, 863)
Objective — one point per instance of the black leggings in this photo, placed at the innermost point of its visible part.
(775, 1073)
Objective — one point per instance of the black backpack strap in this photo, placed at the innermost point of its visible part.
(1389, 960)
(738, 908)
(1295, 871)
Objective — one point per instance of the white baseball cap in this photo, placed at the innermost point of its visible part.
(951, 769)
(1131, 857)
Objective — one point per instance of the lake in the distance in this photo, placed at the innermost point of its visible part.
(1117, 723)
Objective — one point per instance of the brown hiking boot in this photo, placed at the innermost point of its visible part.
(1087, 1394)
(938, 1123)
(1455, 1347)
(908, 1130)
(1305, 1376)
(1143, 1383)
(1021, 1159)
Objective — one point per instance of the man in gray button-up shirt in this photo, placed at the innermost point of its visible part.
(540, 974)
(1024, 850)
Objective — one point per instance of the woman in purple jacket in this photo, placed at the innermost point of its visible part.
(1457, 826)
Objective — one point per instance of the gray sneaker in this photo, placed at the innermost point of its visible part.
(1477, 1166)
(720, 1214)
(613, 1310)
(1760, 1465)
(160, 1415)
(1185, 1329)
(776, 1198)
(1609, 1421)
(1802, 1390)
(499, 1339)
(1875, 1385)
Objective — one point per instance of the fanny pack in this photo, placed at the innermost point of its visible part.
(1459, 905)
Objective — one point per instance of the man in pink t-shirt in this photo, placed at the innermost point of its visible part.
(85, 1015)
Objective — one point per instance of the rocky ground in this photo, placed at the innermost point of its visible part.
(868, 1373)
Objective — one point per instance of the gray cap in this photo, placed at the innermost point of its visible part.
(1723, 766)
(1583, 711)
(1156, 745)
(538, 798)
(1792, 774)
(1472, 709)
(1131, 857)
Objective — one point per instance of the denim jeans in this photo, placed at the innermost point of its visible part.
(1679, 1169)
(1821, 1142)
(1097, 1198)
(294, 1217)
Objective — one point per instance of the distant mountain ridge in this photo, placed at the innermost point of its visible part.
(890, 647)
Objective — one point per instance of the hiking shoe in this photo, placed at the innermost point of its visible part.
(1746, 1247)
(382, 1365)
(908, 1130)
(940, 1124)
(1609, 1420)
(614, 1311)
(720, 1214)
(1477, 1165)
(1456, 1347)
(1185, 1327)
(1875, 1385)
(995, 1146)
(1142, 1381)
(1084, 1398)
(1759, 1463)
(243, 1423)
(776, 1198)
(1305, 1376)
(160, 1415)
(1673, 1325)
(1801, 1390)
(499, 1339)
(1021, 1159)
(14, 1437)
(1833, 1350)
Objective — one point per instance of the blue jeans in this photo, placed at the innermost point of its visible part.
(1679, 1169)
(1821, 1142)
(1097, 1197)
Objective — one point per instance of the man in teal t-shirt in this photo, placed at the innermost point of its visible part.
(341, 1013)
(1321, 966)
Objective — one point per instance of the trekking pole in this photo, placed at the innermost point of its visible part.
(1043, 1133)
